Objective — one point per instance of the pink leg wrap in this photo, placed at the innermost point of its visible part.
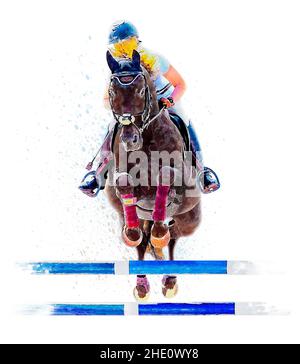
(160, 211)
(131, 217)
(143, 281)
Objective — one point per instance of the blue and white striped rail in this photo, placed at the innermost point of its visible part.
(154, 309)
(144, 267)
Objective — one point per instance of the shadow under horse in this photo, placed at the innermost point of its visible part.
(152, 184)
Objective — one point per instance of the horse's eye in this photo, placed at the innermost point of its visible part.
(142, 92)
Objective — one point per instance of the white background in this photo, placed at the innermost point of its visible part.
(241, 63)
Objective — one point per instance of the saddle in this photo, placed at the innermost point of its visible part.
(183, 130)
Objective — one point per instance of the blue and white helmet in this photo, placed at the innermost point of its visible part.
(122, 30)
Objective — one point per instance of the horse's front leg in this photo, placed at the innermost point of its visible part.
(160, 234)
(132, 234)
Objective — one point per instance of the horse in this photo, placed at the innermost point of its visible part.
(158, 201)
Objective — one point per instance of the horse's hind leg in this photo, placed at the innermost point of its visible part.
(142, 289)
(185, 224)
(132, 234)
(169, 282)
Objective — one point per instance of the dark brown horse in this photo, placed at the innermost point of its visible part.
(152, 186)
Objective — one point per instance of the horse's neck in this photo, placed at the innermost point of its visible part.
(156, 129)
(154, 108)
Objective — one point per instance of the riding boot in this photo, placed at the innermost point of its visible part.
(94, 181)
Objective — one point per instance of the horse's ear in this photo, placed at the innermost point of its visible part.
(136, 58)
(112, 63)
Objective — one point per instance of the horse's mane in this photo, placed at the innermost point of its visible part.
(154, 104)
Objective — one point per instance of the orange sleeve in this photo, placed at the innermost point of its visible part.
(174, 77)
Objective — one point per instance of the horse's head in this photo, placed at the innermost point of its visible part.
(130, 98)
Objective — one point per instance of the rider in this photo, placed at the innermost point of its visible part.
(170, 87)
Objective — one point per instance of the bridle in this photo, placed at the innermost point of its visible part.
(127, 79)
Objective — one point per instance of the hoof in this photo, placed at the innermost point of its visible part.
(160, 238)
(170, 292)
(140, 296)
(170, 287)
(132, 237)
(142, 290)
(160, 242)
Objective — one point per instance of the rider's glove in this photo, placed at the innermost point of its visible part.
(166, 102)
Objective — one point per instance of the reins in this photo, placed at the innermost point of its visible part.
(127, 119)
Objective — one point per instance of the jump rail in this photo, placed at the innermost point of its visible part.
(155, 309)
(144, 267)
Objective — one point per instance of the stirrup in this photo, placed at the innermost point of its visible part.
(88, 190)
(208, 181)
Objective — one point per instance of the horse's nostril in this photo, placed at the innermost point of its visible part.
(135, 139)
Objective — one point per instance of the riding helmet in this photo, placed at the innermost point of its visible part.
(122, 30)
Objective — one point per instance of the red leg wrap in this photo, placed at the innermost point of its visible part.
(160, 210)
(129, 207)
